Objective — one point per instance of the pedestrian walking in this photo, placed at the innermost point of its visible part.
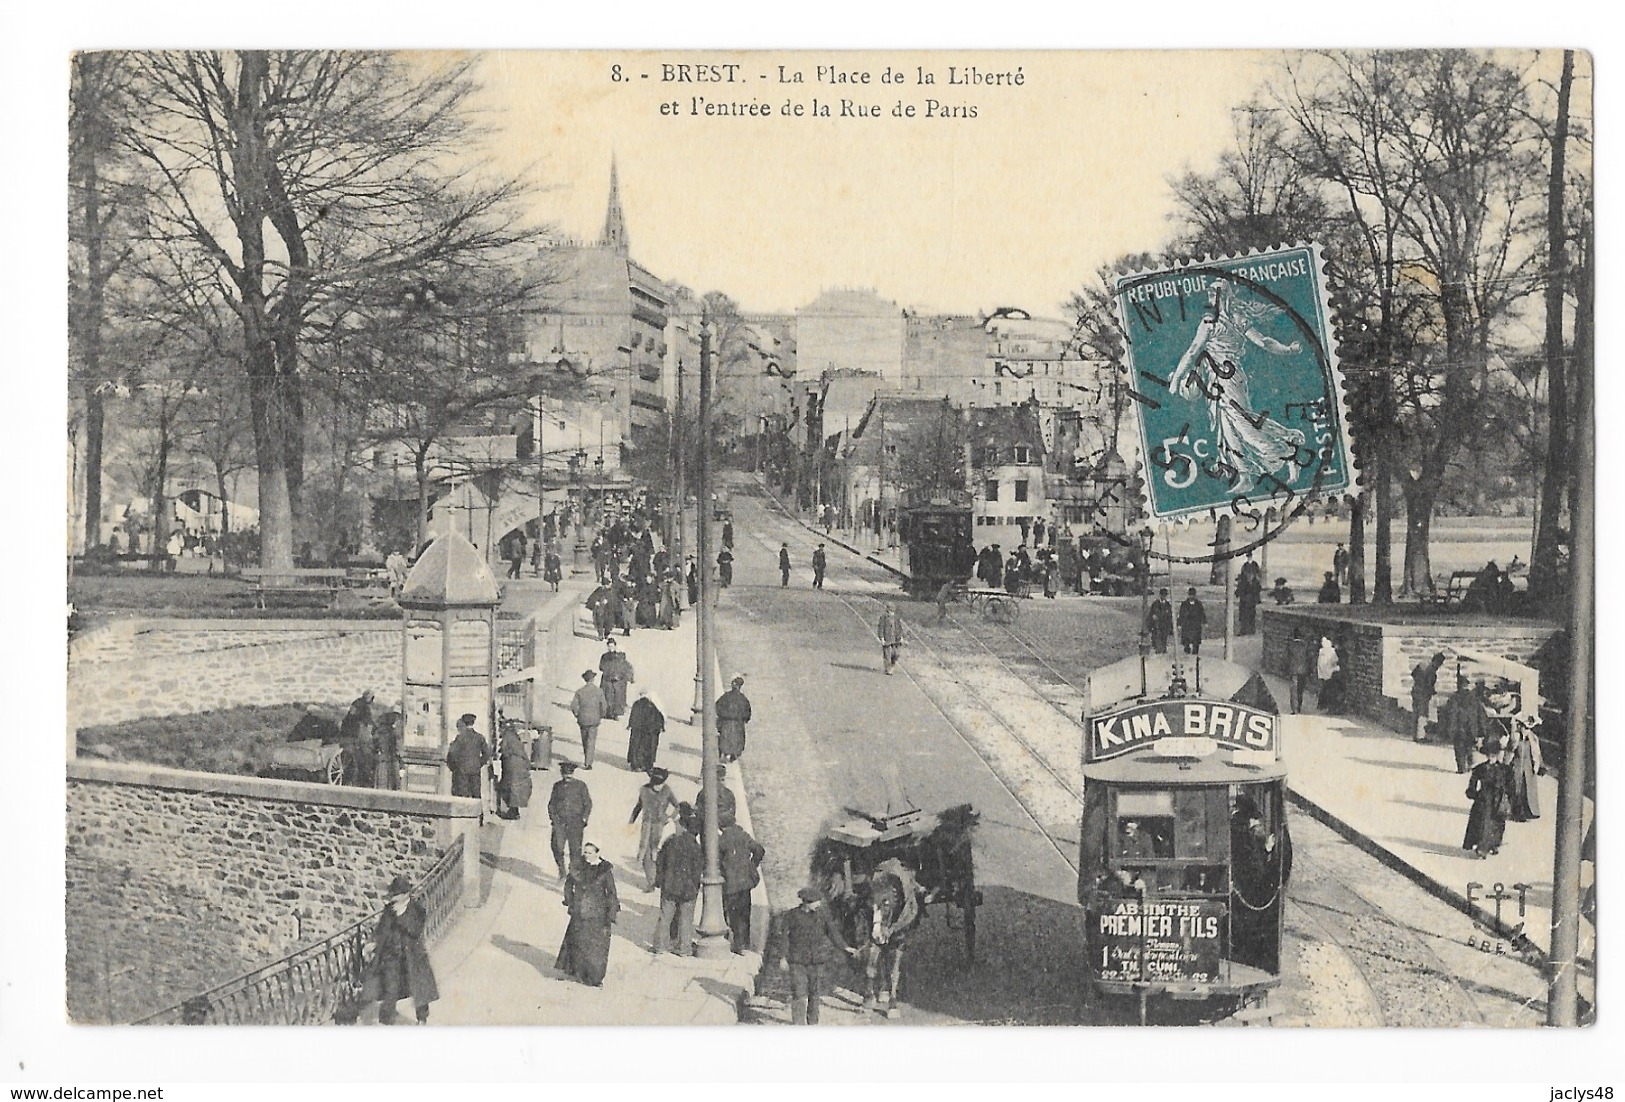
(516, 554)
(1340, 564)
(733, 713)
(1464, 724)
(1192, 618)
(655, 804)
(1052, 578)
(401, 968)
(467, 757)
(693, 579)
(727, 804)
(725, 568)
(552, 569)
(1249, 592)
(615, 673)
(1524, 765)
(741, 861)
(809, 944)
(990, 566)
(1424, 682)
(587, 705)
(602, 618)
(678, 868)
(784, 565)
(1159, 621)
(728, 534)
(396, 565)
(820, 563)
(890, 631)
(644, 726)
(670, 602)
(569, 806)
(1301, 654)
(945, 597)
(1488, 788)
(626, 607)
(590, 896)
(1329, 593)
(513, 788)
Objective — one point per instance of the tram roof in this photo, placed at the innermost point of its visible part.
(1149, 768)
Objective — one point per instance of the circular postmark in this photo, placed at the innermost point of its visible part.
(1236, 394)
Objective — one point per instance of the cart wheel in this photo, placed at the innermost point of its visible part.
(335, 767)
(1001, 610)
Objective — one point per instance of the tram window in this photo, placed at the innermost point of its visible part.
(1207, 879)
(1148, 836)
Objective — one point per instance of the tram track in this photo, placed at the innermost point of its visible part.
(1398, 973)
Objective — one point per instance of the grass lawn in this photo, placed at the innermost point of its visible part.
(235, 740)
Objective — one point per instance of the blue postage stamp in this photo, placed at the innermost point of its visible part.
(1235, 384)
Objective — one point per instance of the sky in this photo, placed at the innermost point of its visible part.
(1017, 206)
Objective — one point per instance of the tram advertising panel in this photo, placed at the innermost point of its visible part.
(1151, 941)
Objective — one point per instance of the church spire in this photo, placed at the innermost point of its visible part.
(614, 235)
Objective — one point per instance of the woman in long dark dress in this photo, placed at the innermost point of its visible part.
(644, 727)
(589, 893)
(401, 968)
(1524, 767)
(1487, 787)
(514, 787)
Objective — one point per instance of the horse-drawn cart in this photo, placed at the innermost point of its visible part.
(310, 760)
(881, 874)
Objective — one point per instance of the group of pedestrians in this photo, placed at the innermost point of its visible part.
(1191, 619)
(1019, 570)
(820, 565)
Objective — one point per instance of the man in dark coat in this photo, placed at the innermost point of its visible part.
(568, 809)
(401, 966)
(727, 804)
(1300, 657)
(784, 565)
(890, 633)
(728, 534)
(644, 726)
(1159, 621)
(725, 568)
(1464, 724)
(990, 566)
(467, 758)
(677, 874)
(1329, 594)
(1340, 564)
(513, 790)
(809, 941)
(693, 580)
(1424, 683)
(1192, 618)
(1249, 593)
(615, 673)
(741, 858)
(589, 893)
(360, 745)
(733, 712)
(820, 563)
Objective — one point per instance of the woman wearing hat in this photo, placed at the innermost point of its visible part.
(655, 806)
(401, 967)
(589, 893)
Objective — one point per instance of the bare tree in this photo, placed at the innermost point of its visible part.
(305, 178)
(931, 462)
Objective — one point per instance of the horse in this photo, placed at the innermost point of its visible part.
(888, 908)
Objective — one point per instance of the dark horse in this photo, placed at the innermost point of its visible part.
(886, 910)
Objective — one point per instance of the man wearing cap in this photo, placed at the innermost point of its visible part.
(678, 868)
(727, 804)
(587, 705)
(1159, 622)
(568, 809)
(809, 941)
(784, 565)
(1192, 618)
(820, 563)
(467, 758)
(733, 712)
(401, 968)
(890, 632)
(740, 859)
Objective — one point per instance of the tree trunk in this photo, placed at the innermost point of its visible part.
(1383, 585)
(1357, 509)
(160, 515)
(225, 514)
(90, 335)
(420, 463)
(1543, 560)
(95, 420)
(1419, 497)
(276, 507)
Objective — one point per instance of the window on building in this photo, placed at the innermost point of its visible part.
(990, 489)
(998, 388)
(1023, 455)
(1021, 489)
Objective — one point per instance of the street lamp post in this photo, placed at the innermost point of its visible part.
(712, 940)
(1147, 536)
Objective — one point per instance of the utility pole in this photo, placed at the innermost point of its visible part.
(712, 940)
(674, 523)
(1562, 1003)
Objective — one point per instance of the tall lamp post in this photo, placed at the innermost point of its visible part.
(1147, 537)
(712, 940)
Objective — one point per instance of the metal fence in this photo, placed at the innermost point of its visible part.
(321, 983)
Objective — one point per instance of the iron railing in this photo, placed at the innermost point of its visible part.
(319, 983)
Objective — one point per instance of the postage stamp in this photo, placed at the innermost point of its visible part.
(1235, 384)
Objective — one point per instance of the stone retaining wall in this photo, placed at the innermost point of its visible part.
(184, 667)
(177, 881)
(1379, 657)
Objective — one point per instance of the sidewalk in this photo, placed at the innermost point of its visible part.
(1405, 801)
(496, 965)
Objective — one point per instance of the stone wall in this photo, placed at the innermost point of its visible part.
(177, 881)
(1379, 657)
(179, 667)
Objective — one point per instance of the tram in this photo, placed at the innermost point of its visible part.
(935, 533)
(1185, 852)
